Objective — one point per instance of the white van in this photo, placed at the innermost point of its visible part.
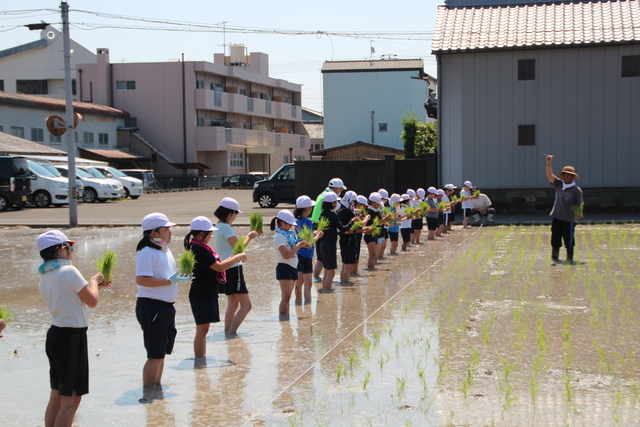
(132, 186)
(94, 188)
(47, 188)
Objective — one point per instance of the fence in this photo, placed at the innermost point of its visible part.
(166, 181)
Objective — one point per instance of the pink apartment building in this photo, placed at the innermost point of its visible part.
(216, 118)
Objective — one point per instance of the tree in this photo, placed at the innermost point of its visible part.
(408, 135)
(419, 138)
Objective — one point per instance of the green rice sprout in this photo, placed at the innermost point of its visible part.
(356, 225)
(409, 211)
(323, 224)
(577, 209)
(376, 229)
(386, 210)
(462, 197)
(255, 222)
(106, 264)
(5, 313)
(442, 205)
(239, 247)
(424, 206)
(362, 211)
(187, 262)
(306, 234)
(455, 198)
(476, 194)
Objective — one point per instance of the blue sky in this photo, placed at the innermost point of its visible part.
(294, 58)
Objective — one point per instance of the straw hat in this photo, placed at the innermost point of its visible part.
(569, 170)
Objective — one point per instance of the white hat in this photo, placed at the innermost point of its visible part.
(384, 194)
(432, 190)
(411, 193)
(231, 204)
(450, 187)
(337, 183)
(395, 198)
(420, 192)
(286, 216)
(51, 238)
(304, 202)
(348, 197)
(155, 220)
(375, 197)
(405, 197)
(441, 192)
(202, 223)
(362, 200)
(331, 197)
(468, 184)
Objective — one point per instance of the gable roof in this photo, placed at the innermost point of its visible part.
(46, 103)
(10, 144)
(535, 26)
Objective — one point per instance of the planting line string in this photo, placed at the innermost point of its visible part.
(359, 326)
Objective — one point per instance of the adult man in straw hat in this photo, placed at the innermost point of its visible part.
(568, 195)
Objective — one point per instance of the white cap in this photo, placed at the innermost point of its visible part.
(231, 204)
(450, 187)
(411, 193)
(304, 202)
(362, 200)
(51, 238)
(432, 190)
(384, 194)
(420, 192)
(286, 216)
(395, 198)
(202, 223)
(375, 197)
(441, 192)
(348, 197)
(155, 220)
(404, 197)
(331, 197)
(337, 183)
(468, 184)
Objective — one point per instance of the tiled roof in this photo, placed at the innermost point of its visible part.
(43, 102)
(373, 65)
(528, 26)
(10, 144)
(315, 130)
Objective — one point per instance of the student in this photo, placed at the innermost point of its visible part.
(208, 276)
(374, 238)
(440, 195)
(348, 245)
(67, 295)
(394, 225)
(406, 228)
(417, 223)
(304, 204)
(467, 203)
(235, 288)
(336, 185)
(449, 218)
(157, 278)
(432, 213)
(327, 245)
(384, 196)
(361, 205)
(287, 245)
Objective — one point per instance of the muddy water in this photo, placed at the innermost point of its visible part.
(479, 328)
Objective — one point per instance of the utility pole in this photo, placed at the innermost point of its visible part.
(69, 118)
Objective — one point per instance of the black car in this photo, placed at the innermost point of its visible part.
(15, 182)
(279, 188)
(241, 180)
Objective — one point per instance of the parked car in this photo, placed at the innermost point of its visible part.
(15, 182)
(79, 185)
(94, 188)
(145, 175)
(132, 186)
(241, 180)
(279, 188)
(95, 173)
(47, 188)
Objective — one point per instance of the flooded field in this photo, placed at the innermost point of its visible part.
(478, 328)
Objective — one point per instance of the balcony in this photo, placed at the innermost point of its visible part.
(207, 99)
(217, 138)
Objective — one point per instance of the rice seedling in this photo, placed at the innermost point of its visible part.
(239, 247)
(401, 383)
(442, 206)
(376, 230)
(356, 225)
(5, 313)
(367, 346)
(187, 262)
(106, 264)
(352, 360)
(340, 372)
(323, 224)
(386, 210)
(578, 209)
(476, 193)
(366, 380)
(424, 207)
(256, 222)
(306, 234)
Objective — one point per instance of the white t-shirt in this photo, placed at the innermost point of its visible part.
(446, 200)
(280, 240)
(407, 222)
(467, 204)
(482, 202)
(159, 264)
(221, 241)
(60, 288)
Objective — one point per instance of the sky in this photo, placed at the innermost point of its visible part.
(296, 58)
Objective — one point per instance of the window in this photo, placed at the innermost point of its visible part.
(199, 84)
(526, 69)
(1, 84)
(17, 131)
(1, 128)
(260, 138)
(526, 134)
(103, 139)
(37, 134)
(302, 142)
(267, 107)
(236, 160)
(228, 136)
(294, 111)
(243, 92)
(298, 157)
(131, 122)
(200, 121)
(32, 87)
(249, 104)
(382, 127)
(277, 140)
(217, 99)
(125, 85)
(286, 159)
(55, 139)
(631, 66)
(75, 136)
(87, 138)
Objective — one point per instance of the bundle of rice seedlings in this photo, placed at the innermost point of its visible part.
(476, 194)
(255, 221)
(455, 198)
(409, 212)
(578, 209)
(5, 314)
(442, 206)
(424, 207)
(356, 225)
(386, 210)
(306, 234)
(462, 197)
(187, 262)
(376, 230)
(323, 224)
(106, 264)
(239, 247)
(362, 211)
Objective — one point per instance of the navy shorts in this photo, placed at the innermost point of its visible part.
(286, 272)
(406, 234)
(393, 236)
(348, 254)
(368, 238)
(432, 223)
(448, 218)
(468, 212)
(452, 215)
(205, 310)
(158, 321)
(305, 265)
(440, 218)
(68, 360)
(329, 255)
(235, 282)
(417, 224)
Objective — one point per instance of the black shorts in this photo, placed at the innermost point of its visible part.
(385, 233)
(205, 310)
(448, 218)
(368, 238)
(305, 265)
(452, 216)
(440, 218)
(68, 360)
(286, 272)
(417, 224)
(358, 245)
(348, 255)
(432, 224)
(235, 282)
(393, 236)
(468, 212)
(406, 234)
(329, 255)
(158, 321)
